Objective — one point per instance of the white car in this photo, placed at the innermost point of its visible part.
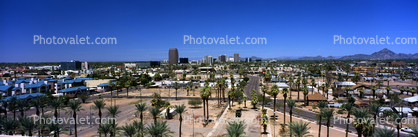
(406, 130)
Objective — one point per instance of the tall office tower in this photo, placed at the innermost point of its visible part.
(236, 57)
(208, 59)
(222, 58)
(173, 56)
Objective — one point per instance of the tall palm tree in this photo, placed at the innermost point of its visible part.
(154, 111)
(264, 89)
(176, 86)
(349, 108)
(305, 90)
(298, 85)
(111, 87)
(328, 114)
(187, 89)
(374, 92)
(27, 124)
(291, 104)
(75, 106)
(129, 130)
(55, 104)
(375, 110)
(274, 92)
(37, 104)
(385, 132)
(113, 111)
(22, 106)
(180, 109)
(359, 116)
(284, 93)
(397, 119)
(118, 86)
(99, 105)
(313, 84)
(141, 108)
(300, 129)
(321, 105)
(44, 102)
(387, 90)
(346, 88)
(361, 90)
(4, 105)
(105, 129)
(12, 106)
(127, 86)
(159, 129)
(235, 129)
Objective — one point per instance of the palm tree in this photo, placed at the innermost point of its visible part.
(176, 86)
(180, 110)
(113, 111)
(129, 130)
(387, 90)
(264, 89)
(55, 127)
(328, 114)
(321, 105)
(313, 85)
(284, 93)
(348, 107)
(4, 105)
(187, 88)
(127, 85)
(27, 124)
(297, 84)
(37, 104)
(385, 132)
(402, 89)
(374, 92)
(361, 90)
(346, 88)
(305, 90)
(291, 104)
(111, 86)
(142, 107)
(9, 125)
(118, 86)
(55, 104)
(139, 126)
(12, 106)
(360, 115)
(274, 92)
(375, 110)
(99, 105)
(159, 129)
(167, 107)
(22, 106)
(300, 129)
(154, 111)
(105, 129)
(74, 107)
(397, 119)
(235, 129)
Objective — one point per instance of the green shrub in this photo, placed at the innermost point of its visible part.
(84, 98)
(340, 111)
(314, 107)
(195, 102)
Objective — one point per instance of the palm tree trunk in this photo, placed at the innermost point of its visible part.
(348, 121)
(180, 126)
(290, 113)
(264, 95)
(284, 113)
(320, 121)
(176, 94)
(207, 109)
(274, 107)
(75, 123)
(204, 109)
(398, 129)
(127, 92)
(328, 128)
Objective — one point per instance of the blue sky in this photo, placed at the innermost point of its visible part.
(145, 30)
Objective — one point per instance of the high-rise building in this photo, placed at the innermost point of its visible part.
(184, 60)
(147, 64)
(208, 59)
(236, 57)
(173, 56)
(248, 59)
(222, 58)
(73, 65)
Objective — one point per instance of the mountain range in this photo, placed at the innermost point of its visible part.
(380, 55)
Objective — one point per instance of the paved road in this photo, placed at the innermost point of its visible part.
(254, 83)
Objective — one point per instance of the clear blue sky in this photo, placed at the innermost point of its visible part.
(146, 29)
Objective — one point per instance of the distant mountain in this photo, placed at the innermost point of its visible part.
(381, 55)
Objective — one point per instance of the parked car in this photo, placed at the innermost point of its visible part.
(406, 130)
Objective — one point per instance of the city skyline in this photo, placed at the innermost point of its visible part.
(292, 29)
